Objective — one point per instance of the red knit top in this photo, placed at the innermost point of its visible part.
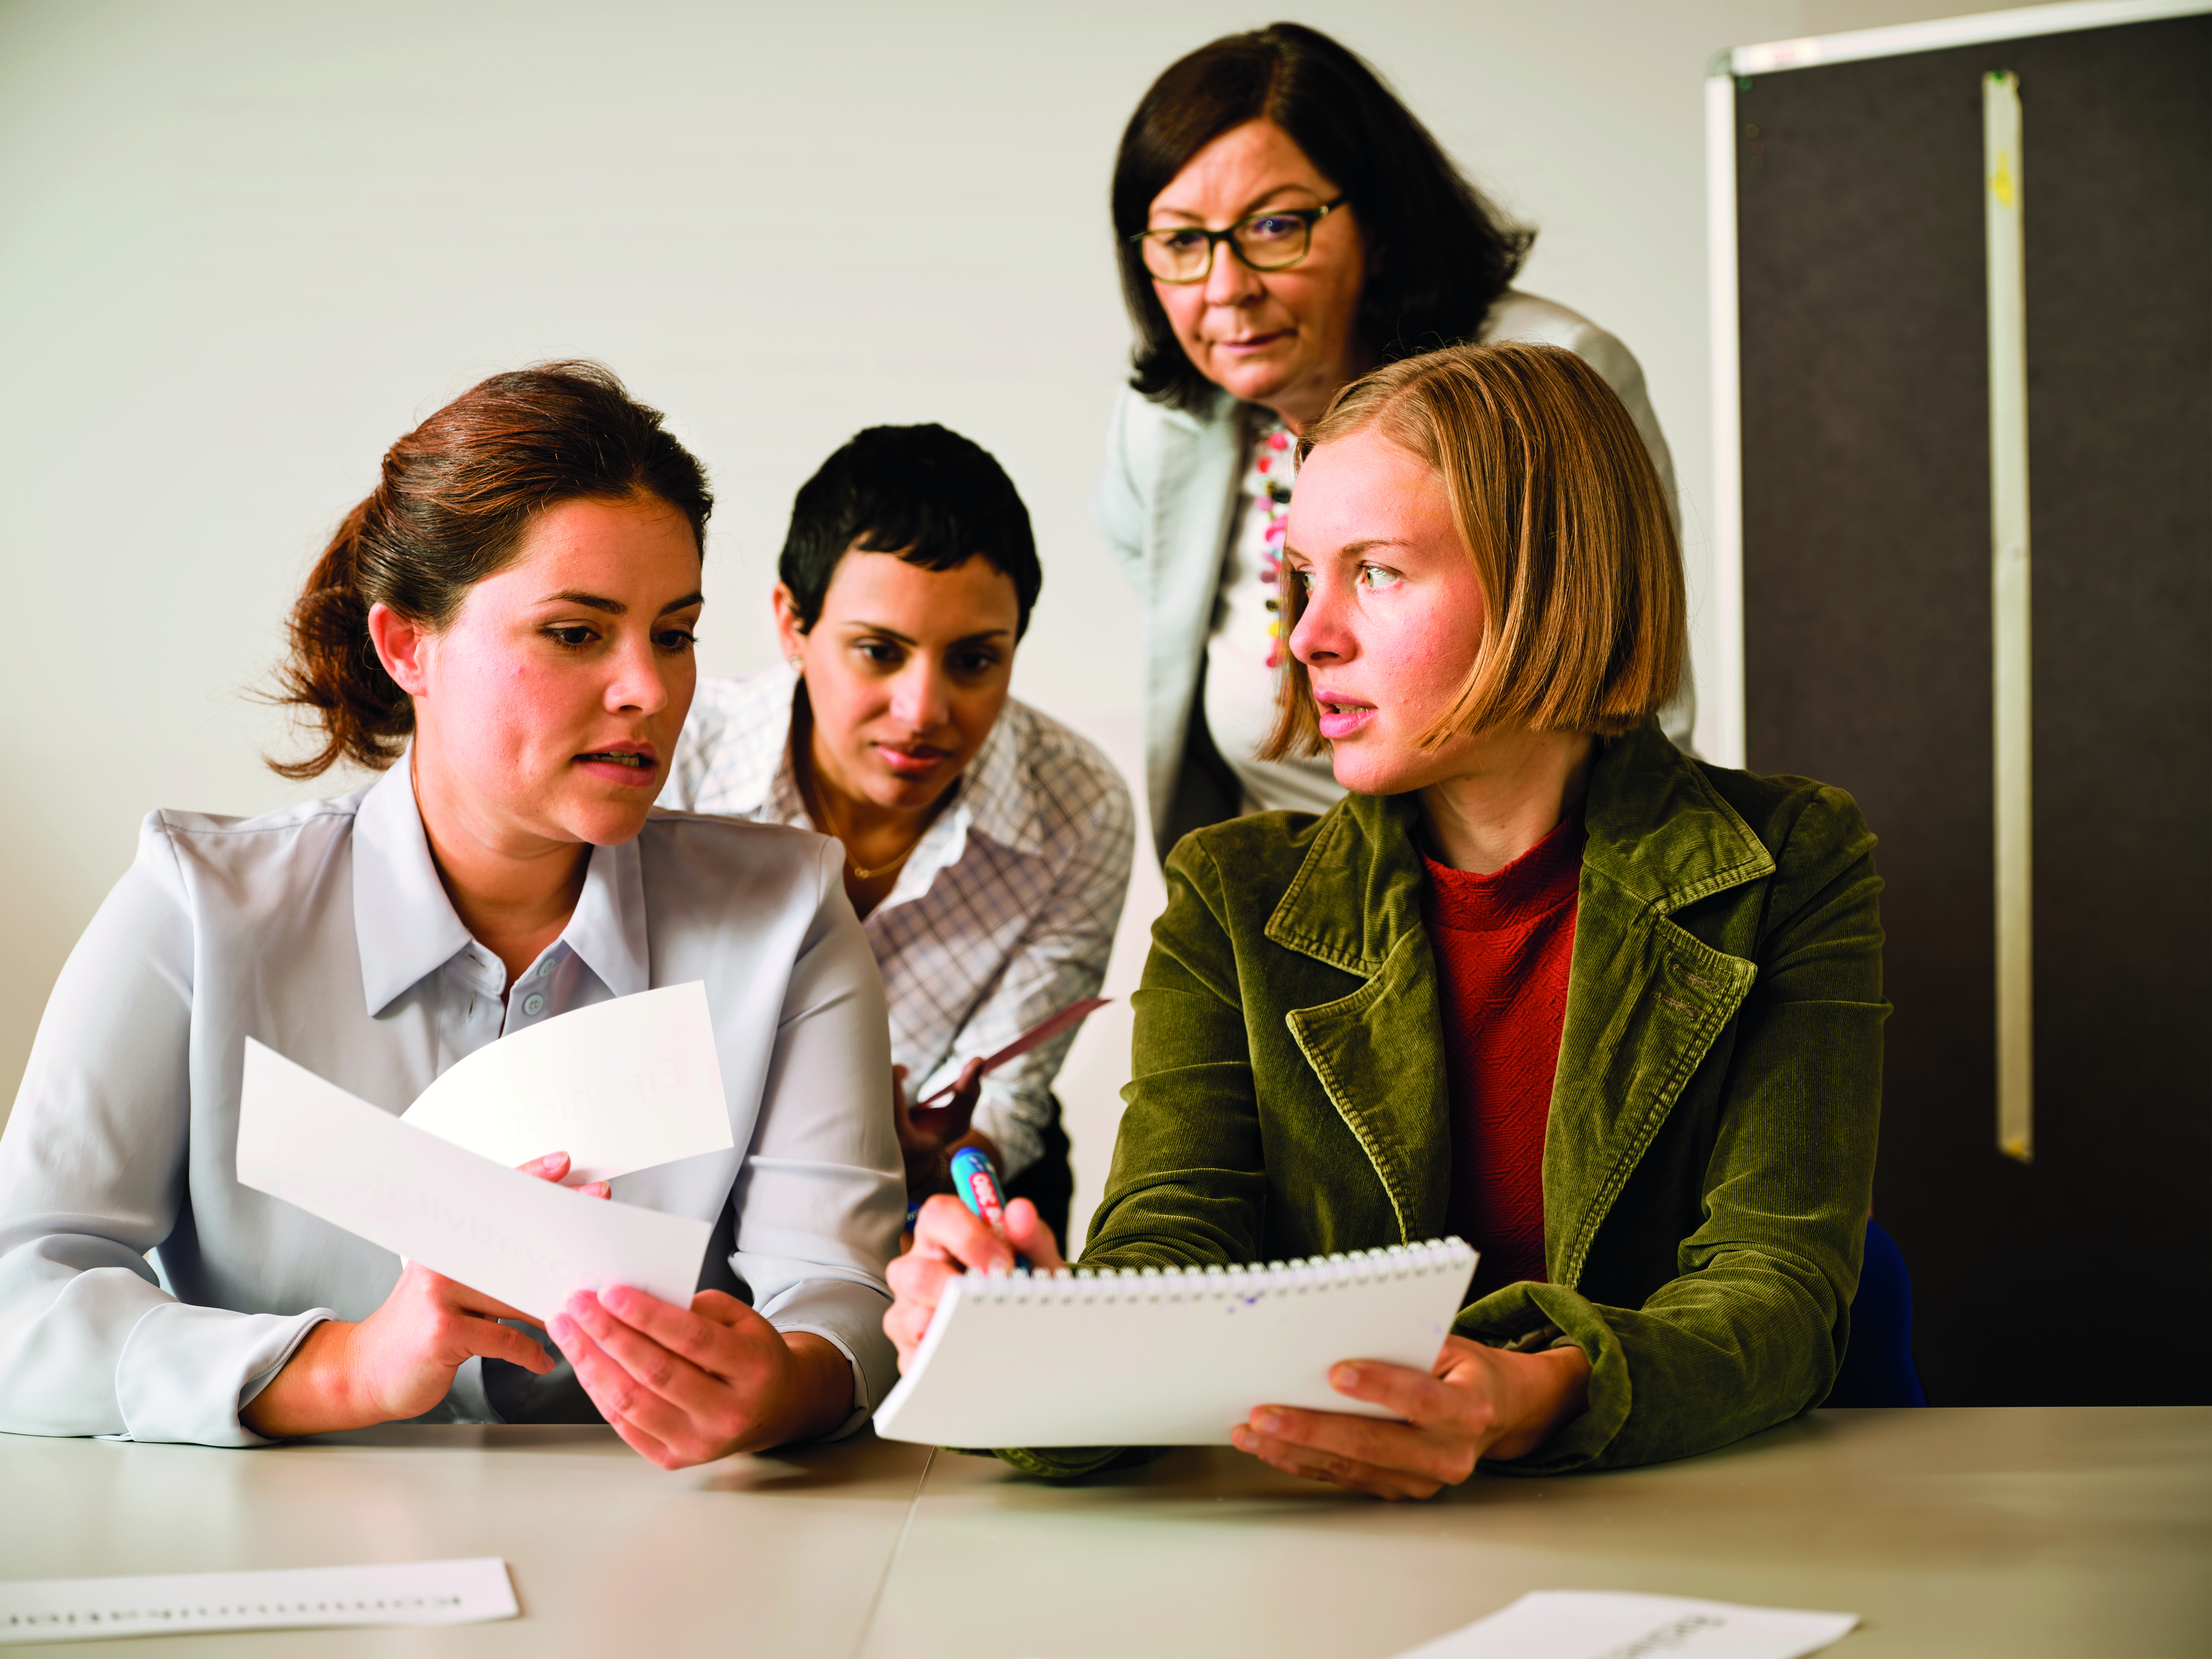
(1503, 942)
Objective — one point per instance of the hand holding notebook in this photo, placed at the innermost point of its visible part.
(1153, 1357)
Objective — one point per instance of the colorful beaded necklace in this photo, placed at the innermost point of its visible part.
(1278, 467)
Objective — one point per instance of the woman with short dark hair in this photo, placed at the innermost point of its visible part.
(1285, 224)
(986, 846)
(504, 629)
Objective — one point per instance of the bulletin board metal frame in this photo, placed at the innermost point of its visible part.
(1898, 356)
(1726, 692)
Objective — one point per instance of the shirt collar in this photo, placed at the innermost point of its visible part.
(406, 926)
(992, 800)
(995, 791)
(607, 932)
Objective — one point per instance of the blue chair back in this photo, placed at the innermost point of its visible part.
(1878, 1368)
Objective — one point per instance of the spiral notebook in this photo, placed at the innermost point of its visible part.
(1167, 1357)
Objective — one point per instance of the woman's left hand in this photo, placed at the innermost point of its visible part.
(686, 1385)
(1475, 1402)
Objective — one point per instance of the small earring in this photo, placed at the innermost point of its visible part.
(797, 667)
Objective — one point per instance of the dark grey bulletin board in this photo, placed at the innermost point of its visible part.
(2085, 1277)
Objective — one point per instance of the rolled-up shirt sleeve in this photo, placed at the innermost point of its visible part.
(822, 1194)
(92, 1178)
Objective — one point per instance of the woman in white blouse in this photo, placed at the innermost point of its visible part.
(509, 619)
(1285, 224)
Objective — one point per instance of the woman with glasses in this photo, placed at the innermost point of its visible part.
(1285, 224)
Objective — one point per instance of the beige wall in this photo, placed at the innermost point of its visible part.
(243, 246)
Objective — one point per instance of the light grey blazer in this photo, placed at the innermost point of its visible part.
(1165, 504)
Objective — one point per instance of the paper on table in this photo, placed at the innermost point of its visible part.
(620, 1085)
(464, 1592)
(1617, 1624)
(526, 1242)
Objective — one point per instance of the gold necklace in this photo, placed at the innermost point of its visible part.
(866, 874)
(816, 801)
(859, 869)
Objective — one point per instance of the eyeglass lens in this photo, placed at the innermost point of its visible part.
(1267, 242)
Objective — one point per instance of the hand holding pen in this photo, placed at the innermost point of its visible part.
(976, 1184)
(951, 1239)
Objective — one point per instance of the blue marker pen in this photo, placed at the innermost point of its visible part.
(977, 1183)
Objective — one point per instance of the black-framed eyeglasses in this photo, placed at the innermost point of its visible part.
(1274, 241)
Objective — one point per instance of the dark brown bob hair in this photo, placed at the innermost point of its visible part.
(1555, 497)
(456, 495)
(1438, 253)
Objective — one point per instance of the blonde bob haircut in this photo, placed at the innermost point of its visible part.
(1564, 516)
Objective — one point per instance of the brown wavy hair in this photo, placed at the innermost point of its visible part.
(1584, 618)
(456, 495)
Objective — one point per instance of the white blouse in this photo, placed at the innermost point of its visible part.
(1248, 646)
(324, 931)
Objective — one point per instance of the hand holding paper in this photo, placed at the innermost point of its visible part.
(1074, 1014)
(523, 1241)
(929, 1128)
(619, 1086)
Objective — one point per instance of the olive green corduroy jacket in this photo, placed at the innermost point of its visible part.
(1709, 1156)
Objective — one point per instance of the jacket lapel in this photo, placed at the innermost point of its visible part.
(1645, 997)
(1356, 904)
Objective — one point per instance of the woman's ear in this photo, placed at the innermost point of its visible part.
(403, 647)
(790, 635)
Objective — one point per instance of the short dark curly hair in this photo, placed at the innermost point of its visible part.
(928, 495)
(1441, 252)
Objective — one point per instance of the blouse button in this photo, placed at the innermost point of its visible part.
(534, 1005)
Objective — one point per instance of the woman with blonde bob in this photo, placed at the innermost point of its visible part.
(1610, 1013)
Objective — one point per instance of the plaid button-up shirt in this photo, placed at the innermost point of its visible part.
(1004, 913)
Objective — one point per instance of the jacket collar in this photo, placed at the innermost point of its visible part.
(406, 927)
(1657, 831)
(1659, 837)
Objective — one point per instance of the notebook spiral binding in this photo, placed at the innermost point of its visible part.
(1215, 1283)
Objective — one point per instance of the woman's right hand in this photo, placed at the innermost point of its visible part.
(948, 1240)
(399, 1361)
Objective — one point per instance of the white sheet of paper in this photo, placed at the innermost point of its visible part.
(619, 1086)
(294, 1598)
(523, 1241)
(1614, 1624)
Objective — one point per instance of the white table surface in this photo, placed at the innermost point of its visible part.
(1959, 1532)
